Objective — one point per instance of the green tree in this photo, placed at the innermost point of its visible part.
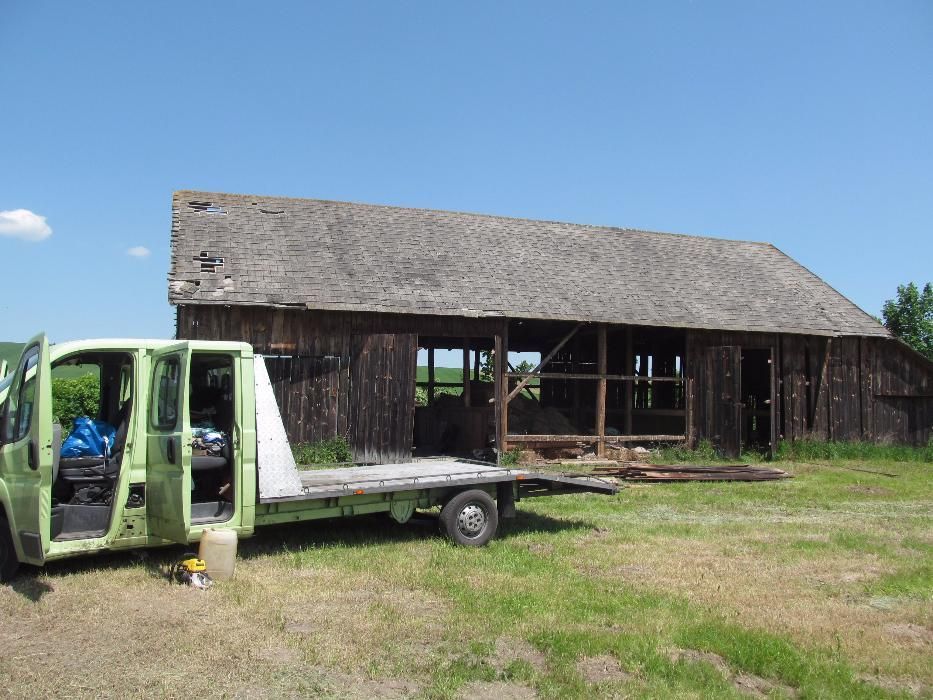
(910, 317)
(78, 396)
(488, 366)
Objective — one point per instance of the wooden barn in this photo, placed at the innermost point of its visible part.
(642, 337)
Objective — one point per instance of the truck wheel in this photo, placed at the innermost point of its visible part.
(9, 564)
(470, 518)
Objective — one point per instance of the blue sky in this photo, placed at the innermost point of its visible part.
(808, 125)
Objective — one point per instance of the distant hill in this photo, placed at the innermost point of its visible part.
(449, 374)
(11, 352)
(441, 374)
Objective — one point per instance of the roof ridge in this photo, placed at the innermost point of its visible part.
(501, 217)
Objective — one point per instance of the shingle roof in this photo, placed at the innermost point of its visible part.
(317, 254)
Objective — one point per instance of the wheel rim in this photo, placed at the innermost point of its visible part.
(472, 520)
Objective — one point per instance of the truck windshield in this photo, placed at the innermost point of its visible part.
(5, 382)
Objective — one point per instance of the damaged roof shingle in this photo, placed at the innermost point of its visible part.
(318, 254)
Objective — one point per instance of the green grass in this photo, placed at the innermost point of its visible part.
(808, 450)
(817, 586)
(323, 453)
(441, 374)
(800, 451)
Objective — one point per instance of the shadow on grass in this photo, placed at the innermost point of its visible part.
(374, 530)
(28, 585)
(358, 531)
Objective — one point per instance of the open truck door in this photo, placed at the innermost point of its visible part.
(26, 452)
(168, 453)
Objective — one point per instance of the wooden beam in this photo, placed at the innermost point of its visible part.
(466, 372)
(610, 439)
(513, 373)
(576, 353)
(476, 365)
(501, 389)
(430, 376)
(521, 385)
(601, 390)
(610, 377)
(628, 398)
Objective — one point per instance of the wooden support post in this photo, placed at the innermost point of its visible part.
(521, 385)
(466, 372)
(430, 376)
(476, 365)
(628, 395)
(601, 390)
(575, 355)
(502, 389)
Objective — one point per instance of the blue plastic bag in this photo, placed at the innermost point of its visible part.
(87, 438)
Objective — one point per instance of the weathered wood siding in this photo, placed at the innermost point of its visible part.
(382, 396)
(842, 388)
(352, 374)
(334, 373)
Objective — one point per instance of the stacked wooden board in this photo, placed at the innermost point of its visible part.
(639, 471)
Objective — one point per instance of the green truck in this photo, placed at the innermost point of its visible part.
(158, 483)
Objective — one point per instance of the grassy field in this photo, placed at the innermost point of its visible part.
(819, 586)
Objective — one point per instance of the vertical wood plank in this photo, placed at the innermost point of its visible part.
(601, 389)
(430, 376)
(466, 372)
(628, 395)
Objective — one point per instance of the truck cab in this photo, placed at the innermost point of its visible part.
(152, 486)
(186, 435)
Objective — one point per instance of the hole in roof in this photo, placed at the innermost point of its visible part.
(208, 207)
(265, 210)
(209, 263)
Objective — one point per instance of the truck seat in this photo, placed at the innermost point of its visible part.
(81, 470)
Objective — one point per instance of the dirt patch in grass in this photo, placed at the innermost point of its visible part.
(870, 490)
(746, 683)
(694, 656)
(353, 688)
(508, 650)
(602, 668)
(500, 690)
(897, 685)
(910, 634)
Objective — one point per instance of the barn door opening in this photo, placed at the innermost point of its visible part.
(757, 404)
(454, 413)
(724, 403)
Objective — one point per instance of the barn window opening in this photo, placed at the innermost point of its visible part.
(209, 263)
(208, 207)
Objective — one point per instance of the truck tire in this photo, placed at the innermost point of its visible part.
(470, 518)
(9, 564)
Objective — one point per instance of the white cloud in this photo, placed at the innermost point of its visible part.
(22, 223)
(139, 251)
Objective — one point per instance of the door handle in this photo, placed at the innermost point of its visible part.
(170, 450)
(33, 455)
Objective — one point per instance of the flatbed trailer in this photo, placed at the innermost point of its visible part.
(157, 485)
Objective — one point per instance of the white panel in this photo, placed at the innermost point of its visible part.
(278, 474)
